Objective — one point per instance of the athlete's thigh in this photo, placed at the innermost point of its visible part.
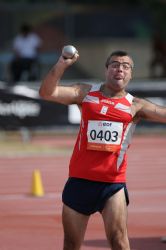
(74, 223)
(115, 213)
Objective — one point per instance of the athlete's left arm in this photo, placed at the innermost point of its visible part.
(151, 112)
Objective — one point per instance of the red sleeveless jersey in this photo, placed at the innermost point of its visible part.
(105, 133)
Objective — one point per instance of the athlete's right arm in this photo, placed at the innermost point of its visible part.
(52, 90)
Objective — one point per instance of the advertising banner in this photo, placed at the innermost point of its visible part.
(21, 106)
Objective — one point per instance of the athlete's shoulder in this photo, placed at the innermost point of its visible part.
(88, 88)
(81, 90)
(83, 87)
(139, 101)
(95, 87)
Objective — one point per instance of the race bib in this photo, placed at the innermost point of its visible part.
(104, 135)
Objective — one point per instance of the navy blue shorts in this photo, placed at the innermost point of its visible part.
(88, 197)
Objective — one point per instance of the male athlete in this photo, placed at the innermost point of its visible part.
(97, 170)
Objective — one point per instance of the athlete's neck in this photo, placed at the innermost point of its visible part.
(107, 92)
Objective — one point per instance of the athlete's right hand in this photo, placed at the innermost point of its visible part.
(68, 62)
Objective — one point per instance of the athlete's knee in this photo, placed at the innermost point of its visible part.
(71, 244)
(119, 240)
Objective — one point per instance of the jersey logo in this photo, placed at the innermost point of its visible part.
(104, 110)
(108, 102)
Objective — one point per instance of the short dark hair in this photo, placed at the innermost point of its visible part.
(117, 53)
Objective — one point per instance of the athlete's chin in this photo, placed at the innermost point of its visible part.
(121, 83)
(118, 86)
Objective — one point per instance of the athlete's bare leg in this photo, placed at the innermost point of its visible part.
(115, 221)
(74, 226)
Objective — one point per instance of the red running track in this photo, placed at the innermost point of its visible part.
(30, 223)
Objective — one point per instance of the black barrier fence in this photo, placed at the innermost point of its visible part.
(21, 106)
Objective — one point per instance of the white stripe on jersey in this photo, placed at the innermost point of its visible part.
(123, 108)
(129, 98)
(92, 99)
(95, 87)
(125, 142)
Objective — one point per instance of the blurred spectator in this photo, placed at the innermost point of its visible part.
(26, 46)
(158, 62)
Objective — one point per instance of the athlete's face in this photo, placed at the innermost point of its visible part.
(119, 72)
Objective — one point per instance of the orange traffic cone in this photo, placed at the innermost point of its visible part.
(37, 186)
